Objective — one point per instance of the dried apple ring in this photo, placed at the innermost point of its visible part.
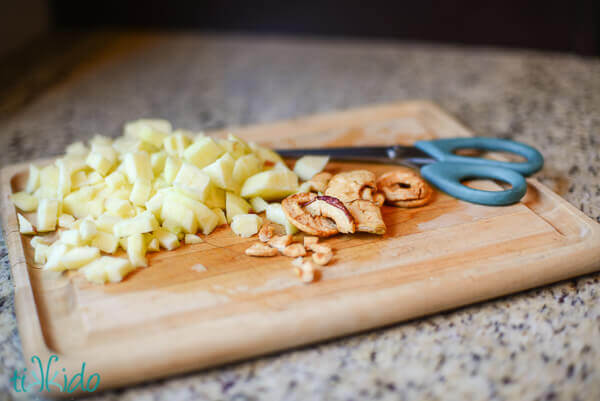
(404, 187)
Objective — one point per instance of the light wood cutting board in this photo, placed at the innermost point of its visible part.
(173, 317)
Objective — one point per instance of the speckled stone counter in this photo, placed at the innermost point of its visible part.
(543, 344)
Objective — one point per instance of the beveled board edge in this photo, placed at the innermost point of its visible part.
(587, 259)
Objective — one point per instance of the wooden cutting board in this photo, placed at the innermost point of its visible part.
(173, 317)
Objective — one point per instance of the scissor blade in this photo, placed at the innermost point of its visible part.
(408, 155)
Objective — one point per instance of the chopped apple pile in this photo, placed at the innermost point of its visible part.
(149, 189)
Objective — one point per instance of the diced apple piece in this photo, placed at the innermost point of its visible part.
(235, 148)
(100, 140)
(102, 158)
(119, 207)
(245, 167)
(140, 192)
(276, 215)
(107, 268)
(174, 227)
(235, 205)
(172, 167)
(265, 154)
(77, 148)
(159, 183)
(307, 166)
(215, 197)
(270, 185)
(137, 128)
(78, 180)
(203, 152)
(151, 135)
(190, 239)
(305, 187)
(192, 181)
(65, 220)
(281, 166)
(221, 172)
(55, 253)
(95, 272)
(221, 216)
(95, 208)
(122, 193)
(24, 201)
(37, 241)
(153, 245)
(117, 268)
(33, 180)
(233, 137)
(94, 178)
(205, 217)
(107, 222)
(77, 202)
(136, 250)
(115, 180)
(40, 254)
(124, 145)
(25, 227)
(48, 182)
(64, 179)
(178, 213)
(47, 215)
(105, 242)
(78, 257)
(175, 144)
(258, 204)
(70, 237)
(138, 167)
(167, 239)
(143, 223)
(155, 203)
(74, 163)
(87, 230)
(246, 225)
(158, 160)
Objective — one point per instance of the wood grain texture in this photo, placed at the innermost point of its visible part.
(171, 318)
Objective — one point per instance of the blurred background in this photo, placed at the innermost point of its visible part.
(565, 26)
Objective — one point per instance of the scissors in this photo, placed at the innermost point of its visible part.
(446, 170)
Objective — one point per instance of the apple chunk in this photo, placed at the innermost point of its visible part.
(24, 201)
(144, 222)
(205, 218)
(25, 227)
(246, 225)
(235, 205)
(47, 215)
(107, 268)
(221, 172)
(259, 205)
(203, 152)
(276, 215)
(193, 181)
(245, 167)
(308, 166)
(270, 185)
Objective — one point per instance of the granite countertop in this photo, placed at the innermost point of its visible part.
(543, 344)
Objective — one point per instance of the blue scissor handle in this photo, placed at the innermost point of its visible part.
(443, 150)
(447, 176)
(451, 169)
